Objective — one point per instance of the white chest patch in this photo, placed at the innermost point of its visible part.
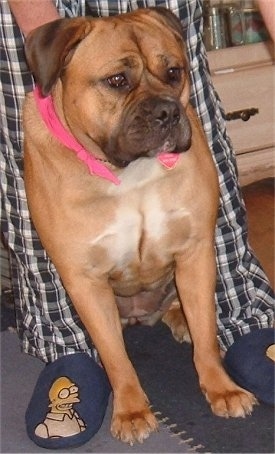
(136, 237)
(155, 218)
(123, 237)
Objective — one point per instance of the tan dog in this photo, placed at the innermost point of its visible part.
(120, 86)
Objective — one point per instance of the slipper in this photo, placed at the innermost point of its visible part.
(250, 362)
(68, 403)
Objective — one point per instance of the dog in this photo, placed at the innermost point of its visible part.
(126, 209)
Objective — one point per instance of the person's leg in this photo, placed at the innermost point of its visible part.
(47, 323)
(244, 298)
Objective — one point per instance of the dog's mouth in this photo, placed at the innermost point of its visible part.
(146, 154)
(154, 127)
(169, 146)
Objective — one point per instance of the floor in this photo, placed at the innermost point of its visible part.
(19, 373)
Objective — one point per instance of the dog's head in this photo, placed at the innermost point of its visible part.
(122, 81)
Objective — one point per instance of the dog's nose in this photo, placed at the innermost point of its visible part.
(166, 113)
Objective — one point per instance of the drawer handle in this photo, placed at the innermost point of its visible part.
(243, 114)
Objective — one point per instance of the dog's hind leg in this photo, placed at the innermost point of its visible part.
(175, 319)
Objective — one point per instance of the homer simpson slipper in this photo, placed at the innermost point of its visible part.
(250, 361)
(68, 403)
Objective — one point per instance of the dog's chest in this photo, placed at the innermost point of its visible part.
(150, 224)
(137, 227)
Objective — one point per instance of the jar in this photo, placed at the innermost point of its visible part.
(254, 26)
(235, 22)
(215, 28)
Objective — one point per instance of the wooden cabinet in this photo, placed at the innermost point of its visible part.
(244, 78)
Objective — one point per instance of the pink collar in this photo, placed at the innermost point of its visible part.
(47, 111)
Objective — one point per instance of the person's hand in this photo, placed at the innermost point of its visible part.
(267, 9)
(30, 14)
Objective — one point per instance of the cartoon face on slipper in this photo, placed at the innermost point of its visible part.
(63, 394)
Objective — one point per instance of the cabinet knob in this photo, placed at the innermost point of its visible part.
(243, 114)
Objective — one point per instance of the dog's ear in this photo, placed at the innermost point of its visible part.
(169, 19)
(49, 49)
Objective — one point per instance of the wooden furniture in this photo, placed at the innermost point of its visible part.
(244, 78)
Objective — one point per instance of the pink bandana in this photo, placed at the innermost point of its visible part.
(47, 111)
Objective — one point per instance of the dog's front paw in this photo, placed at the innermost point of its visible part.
(236, 403)
(133, 427)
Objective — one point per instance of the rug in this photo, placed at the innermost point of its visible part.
(168, 376)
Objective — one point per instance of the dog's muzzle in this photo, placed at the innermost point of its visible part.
(155, 125)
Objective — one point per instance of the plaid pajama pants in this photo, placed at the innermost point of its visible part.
(47, 323)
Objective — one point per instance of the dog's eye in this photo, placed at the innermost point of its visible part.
(117, 81)
(174, 74)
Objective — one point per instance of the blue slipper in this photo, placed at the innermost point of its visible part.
(250, 362)
(68, 403)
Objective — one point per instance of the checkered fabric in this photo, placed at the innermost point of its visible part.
(48, 325)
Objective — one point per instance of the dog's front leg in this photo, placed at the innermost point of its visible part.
(132, 418)
(195, 279)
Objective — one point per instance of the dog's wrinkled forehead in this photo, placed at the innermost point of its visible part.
(140, 46)
(153, 33)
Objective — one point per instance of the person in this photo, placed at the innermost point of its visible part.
(267, 9)
(47, 324)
